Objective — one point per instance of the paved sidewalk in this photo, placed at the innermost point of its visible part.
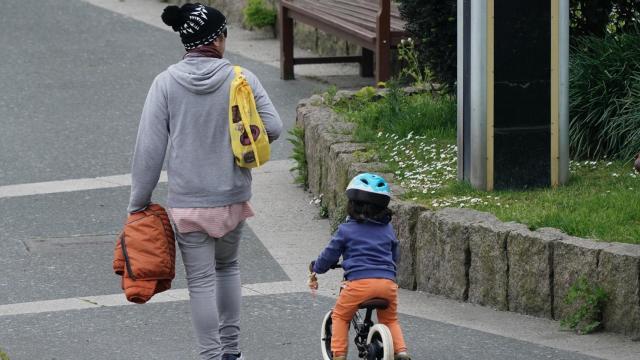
(259, 46)
(64, 187)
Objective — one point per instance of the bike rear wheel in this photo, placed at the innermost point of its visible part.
(325, 337)
(380, 343)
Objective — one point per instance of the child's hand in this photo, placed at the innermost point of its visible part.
(313, 281)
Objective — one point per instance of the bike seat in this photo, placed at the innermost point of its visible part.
(375, 303)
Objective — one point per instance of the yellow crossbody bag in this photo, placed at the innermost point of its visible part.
(249, 140)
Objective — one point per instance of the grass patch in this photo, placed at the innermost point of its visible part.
(401, 115)
(415, 136)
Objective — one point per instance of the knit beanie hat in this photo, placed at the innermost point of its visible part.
(197, 24)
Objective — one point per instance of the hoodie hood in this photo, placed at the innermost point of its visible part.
(201, 75)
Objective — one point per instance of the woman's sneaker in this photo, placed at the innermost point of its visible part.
(402, 356)
(233, 357)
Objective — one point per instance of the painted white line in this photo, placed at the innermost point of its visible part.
(53, 187)
(45, 306)
(92, 302)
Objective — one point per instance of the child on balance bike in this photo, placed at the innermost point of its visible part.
(369, 249)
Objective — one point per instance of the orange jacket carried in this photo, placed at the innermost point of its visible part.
(145, 254)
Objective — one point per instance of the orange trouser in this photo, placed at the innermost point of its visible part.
(353, 294)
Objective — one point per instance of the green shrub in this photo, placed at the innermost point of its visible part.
(433, 24)
(257, 14)
(298, 155)
(599, 17)
(3, 355)
(412, 68)
(604, 97)
(588, 301)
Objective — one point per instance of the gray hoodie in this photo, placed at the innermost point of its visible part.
(188, 108)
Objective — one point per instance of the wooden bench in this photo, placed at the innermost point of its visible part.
(375, 25)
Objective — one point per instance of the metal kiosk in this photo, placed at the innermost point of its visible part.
(513, 128)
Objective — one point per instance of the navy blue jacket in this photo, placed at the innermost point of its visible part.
(369, 250)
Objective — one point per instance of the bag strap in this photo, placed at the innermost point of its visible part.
(244, 115)
(127, 262)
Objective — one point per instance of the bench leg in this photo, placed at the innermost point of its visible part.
(366, 64)
(383, 62)
(286, 45)
(383, 42)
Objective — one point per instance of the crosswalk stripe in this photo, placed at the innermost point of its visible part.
(53, 187)
(112, 300)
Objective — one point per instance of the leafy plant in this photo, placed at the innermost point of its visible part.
(412, 68)
(432, 23)
(324, 211)
(366, 93)
(588, 301)
(297, 140)
(330, 94)
(257, 14)
(599, 17)
(3, 355)
(365, 156)
(604, 97)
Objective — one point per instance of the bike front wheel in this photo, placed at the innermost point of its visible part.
(379, 343)
(325, 337)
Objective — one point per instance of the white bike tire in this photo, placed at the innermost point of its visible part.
(382, 332)
(325, 343)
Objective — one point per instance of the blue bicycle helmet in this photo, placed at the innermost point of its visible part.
(369, 188)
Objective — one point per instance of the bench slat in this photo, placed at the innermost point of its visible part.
(338, 27)
(367, 16)
(362, 9)
(366, 9)
(330, 14)
(324, 17)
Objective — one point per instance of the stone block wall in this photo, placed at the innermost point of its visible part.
(469, 255)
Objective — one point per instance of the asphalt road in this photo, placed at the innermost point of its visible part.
(74, 78)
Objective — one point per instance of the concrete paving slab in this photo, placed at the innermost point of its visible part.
(99, 212)
(273, 327)
(67, 246)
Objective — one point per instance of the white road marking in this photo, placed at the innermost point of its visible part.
(53, 187)
(91, 302)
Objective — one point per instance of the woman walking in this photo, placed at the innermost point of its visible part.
(187, 107)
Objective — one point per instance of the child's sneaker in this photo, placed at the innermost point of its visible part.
(402, 356)
(233, 357)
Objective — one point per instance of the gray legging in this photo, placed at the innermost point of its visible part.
(213, 277)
